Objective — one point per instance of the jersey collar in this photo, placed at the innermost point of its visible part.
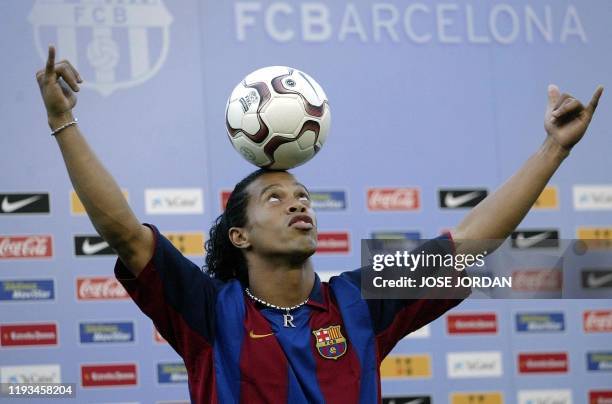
(317, 298)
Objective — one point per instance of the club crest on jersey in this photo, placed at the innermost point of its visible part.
(330, 342)
(113, 43)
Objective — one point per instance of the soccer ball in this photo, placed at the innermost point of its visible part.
(277, 117)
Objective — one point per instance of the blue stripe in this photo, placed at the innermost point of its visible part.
(358, 324)
(303, 386)
(230, 313)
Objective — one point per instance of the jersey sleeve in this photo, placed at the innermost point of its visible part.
(393, 319)
(175, 293)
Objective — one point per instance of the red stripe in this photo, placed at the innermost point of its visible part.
(263, 365)
(338, 378)
(191, 346)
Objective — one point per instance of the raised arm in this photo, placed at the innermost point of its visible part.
(105, 205)
(566, 121)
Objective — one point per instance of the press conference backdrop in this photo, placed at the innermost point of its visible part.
(429, 99)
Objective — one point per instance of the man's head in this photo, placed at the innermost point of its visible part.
(268, 214)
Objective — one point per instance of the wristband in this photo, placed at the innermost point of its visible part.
(64, 126)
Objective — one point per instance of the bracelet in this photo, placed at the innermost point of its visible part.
(64, 126)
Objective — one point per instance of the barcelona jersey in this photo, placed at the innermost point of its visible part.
(237, 350)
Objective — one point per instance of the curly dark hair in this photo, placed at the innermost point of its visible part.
(224, 261)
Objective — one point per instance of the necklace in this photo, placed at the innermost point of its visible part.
(287, 317)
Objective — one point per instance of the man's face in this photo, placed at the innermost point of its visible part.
(280, 217)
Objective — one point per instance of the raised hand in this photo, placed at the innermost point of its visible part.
(566, 119)
(58, 82)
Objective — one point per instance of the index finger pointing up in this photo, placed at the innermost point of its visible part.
(595, 99)
(50, 68)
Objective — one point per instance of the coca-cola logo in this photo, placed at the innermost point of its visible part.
(543, 280)
(39, 246)
(598, 321)
(393, 199)
(100, 288)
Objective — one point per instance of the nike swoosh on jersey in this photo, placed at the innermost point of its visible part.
(526, 242)
(90, 249)
(9, 207)
(255, 336)
(452, 201)
(594, 281)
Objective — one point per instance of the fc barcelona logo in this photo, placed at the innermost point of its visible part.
(113, 43)
(330, 342)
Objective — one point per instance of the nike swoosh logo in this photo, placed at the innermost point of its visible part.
(593, 281)
(526, 242)
(9, 207)
(255, 336)
(452, 201)
(90, 249)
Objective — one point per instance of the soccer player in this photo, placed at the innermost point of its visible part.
(259, 326)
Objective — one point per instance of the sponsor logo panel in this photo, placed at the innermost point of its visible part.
(171, 372)
(28, 335)
(395, 235)
(47, 373)
(548, 199)
(90, 245)
(535, 238)
(168, 201)
(543, 362)
(460, 198)
(560, 396)
(406, 366)
(328, 200)
(26, 247)
(597, 321)
(100, 288)
(593, 197)
(462, 365)
(595, 238)
(477, 397)
(471, 323)
(423, 332)
(599, 361)
(106, 375)
(225, 194)
(336, 242)
(532, 280)
(76, 206)
(596, 278)
(540, 322)
(393, 199)
(27, 289)
(600, 397)
(188, 243)
(407, 400)
(106, 332)
(12, 203)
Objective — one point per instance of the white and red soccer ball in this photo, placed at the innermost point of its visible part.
(277, 117)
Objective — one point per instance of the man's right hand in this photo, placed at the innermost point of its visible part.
(58, 82)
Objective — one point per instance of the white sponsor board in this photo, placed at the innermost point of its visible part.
(560, 396)
(593, 197)
(474, 364)
(31, 374)
(174, 201)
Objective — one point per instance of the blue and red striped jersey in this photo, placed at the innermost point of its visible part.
(236, 350)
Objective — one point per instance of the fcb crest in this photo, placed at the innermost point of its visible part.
(113, 43)
(330, 342)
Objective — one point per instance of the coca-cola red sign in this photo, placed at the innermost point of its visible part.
(393, 199)
(100, 288)
(598, 321)
(36, 246)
